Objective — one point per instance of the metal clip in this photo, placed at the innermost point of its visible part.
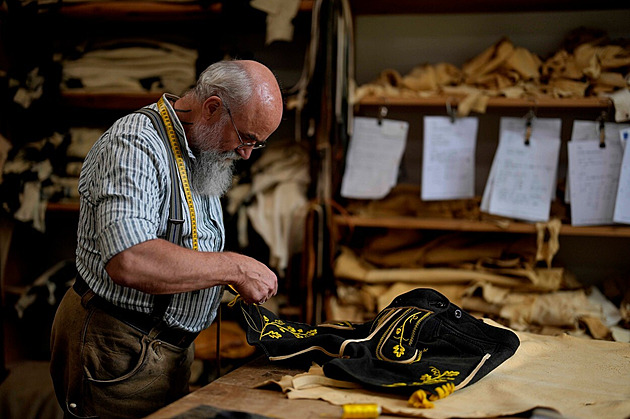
(452, 114)
(601, 129)
(382, 113)
(529, 118)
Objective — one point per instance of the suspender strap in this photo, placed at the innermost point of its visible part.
(175, 216)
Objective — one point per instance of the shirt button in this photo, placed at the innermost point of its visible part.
(73, 405)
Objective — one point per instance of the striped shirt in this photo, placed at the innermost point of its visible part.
(124, 192)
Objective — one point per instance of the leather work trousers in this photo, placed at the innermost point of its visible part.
(103, 367)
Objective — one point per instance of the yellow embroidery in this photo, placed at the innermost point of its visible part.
(281, 326)
(426, 379)
(408, 329)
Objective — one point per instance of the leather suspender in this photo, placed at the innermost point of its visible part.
(175, 216)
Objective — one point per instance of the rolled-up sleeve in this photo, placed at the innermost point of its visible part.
(127, 187)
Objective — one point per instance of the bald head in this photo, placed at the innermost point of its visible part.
(266, 98)
(246, 87)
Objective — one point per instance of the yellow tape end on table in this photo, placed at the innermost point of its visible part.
(360, 411)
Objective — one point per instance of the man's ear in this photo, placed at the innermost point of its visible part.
(211, 106)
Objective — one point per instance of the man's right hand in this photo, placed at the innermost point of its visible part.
(256, 283)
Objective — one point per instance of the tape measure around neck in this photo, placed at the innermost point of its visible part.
(181, 167)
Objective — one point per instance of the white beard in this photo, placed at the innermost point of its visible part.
(211, 170)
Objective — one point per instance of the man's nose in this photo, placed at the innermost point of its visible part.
(244, 152)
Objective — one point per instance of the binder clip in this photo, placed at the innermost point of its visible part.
(529, 118)
(601, 129)
(382, 113)
(452, 114)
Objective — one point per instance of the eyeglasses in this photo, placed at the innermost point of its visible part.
(255, 145)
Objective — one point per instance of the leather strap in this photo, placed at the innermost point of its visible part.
(175, 216)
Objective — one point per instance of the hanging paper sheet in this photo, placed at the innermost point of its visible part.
(522, 177)
(448, 158)
(373, 157)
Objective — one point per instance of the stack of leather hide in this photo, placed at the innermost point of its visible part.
(593, 67)
(507, 277)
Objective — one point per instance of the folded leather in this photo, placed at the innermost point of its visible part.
(420, 341)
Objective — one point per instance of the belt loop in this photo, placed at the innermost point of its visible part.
(154, 332)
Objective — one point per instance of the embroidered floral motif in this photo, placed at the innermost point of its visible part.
(282, 328)
(438, 376)
(435, 377)
(404, 333)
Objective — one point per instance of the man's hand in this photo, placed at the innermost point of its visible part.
(160, 267)
(256, 282)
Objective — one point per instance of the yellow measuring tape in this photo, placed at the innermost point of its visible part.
(181, 168)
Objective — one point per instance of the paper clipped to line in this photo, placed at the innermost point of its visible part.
(594, 180)
(448, 158)
(522, 177)
(373, 158)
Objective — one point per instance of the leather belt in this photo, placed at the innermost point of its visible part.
(145, 323)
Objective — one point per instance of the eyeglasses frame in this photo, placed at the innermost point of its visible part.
(254, 145)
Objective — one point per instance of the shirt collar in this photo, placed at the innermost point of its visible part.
(177, 125)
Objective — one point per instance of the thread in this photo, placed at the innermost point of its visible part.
(360, 411)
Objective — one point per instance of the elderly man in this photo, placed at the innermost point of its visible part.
(122, 337)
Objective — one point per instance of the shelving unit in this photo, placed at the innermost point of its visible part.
(591, 105)
(196, 24)
(353, 229)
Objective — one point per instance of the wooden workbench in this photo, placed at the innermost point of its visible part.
(235, 391)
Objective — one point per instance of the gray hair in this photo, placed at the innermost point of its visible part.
(227, 79)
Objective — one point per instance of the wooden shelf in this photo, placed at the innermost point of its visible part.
(63, 206)
(362, 7)
(130, 101)
(156, 11)
(493, 102)
(474, 226)
(120, 101)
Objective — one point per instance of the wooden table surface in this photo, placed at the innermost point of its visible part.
(235, 392)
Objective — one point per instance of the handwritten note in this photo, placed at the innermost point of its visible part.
(448, 159)
(525, 178)
(590, 131)
(373, 158)
(522, 177)
(594, 179)
(622, 201)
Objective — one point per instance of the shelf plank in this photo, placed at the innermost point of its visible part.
(493, 102)
(474, 226)
(122, 11)
(119, 101)
(127, 11)
(363, 7)
(63, 206)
